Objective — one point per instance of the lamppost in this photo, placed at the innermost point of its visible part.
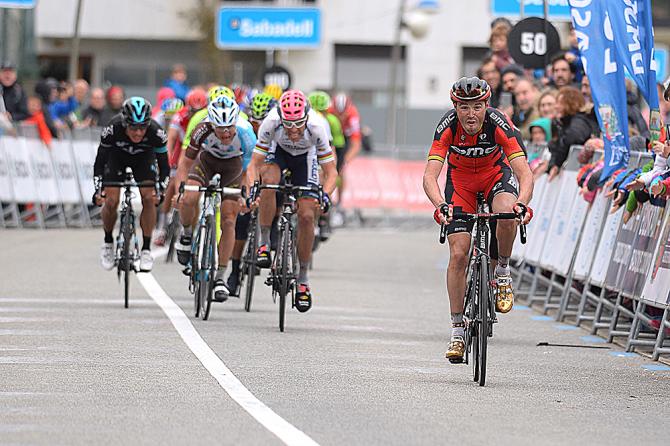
(417, 21)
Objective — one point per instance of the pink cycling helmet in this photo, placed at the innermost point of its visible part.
(293, 105)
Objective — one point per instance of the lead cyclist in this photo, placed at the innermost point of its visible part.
(484, 153)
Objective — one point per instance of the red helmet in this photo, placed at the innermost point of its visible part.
(468, 89)
(196, 99)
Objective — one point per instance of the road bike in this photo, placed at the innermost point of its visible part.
(127, 254)
(282, 276)
(204, 250)
(479, 311)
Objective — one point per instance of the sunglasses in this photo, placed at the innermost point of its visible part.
(293, 124)
(137, 128)
(226, 129)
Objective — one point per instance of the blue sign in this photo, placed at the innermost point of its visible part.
(558, 9)
(661, 59)
(26, 4)
(268, 28)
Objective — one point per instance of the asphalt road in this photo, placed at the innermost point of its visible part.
(365, 366)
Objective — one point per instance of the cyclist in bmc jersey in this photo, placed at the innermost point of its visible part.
(292, 136)
(131, 139)
(484, 152)
(221, 144)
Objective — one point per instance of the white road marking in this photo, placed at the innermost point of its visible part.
(285, 431)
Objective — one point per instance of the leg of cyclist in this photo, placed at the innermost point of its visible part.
(188, 214)
(229, 209)
(306, 217)
(271, 174)
(147, 223)
(165, 208)
(506, 231)
(109, 214)
(459, 246)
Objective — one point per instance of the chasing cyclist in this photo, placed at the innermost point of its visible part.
(292, 136)
(221, 144)
(131, 139)
(484, 152)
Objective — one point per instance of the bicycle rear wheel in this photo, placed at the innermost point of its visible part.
(208, 269)
(483, 302)
(172, 235)
(249, 268)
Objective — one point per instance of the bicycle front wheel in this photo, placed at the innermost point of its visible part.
(283, 273)
(249, 268)
(483, 302)
(208, 269)
(125, 255)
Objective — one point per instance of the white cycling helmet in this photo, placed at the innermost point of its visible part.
(223, 112)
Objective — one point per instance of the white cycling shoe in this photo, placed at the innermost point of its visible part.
(107, 256)
(146, 261)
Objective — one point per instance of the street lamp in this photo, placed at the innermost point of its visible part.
(417, 21)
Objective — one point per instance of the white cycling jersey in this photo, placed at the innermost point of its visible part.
(315, 137)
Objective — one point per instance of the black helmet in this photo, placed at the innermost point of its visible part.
(136, 111)
(468, 89)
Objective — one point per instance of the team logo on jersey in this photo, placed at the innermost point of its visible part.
(106, 131)
(474, 152)
(162, 135)
(512, 182)
(482, 136)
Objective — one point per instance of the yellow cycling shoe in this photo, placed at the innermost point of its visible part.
(504, 294)
(456, 350)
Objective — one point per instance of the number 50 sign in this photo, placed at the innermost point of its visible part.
(532, 41)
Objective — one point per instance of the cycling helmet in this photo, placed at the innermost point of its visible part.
(223, 112)
(468, 89)
(342, 102)
(273, 90)
(218, 91)
(319, 100)
(293, 105)
(196, 99)
(261, 105)
(136, 111)
(172, 105)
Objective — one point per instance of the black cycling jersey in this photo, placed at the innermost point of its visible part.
(115, 143)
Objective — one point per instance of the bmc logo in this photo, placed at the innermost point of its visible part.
(474, 152)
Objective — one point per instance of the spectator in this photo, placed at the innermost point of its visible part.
(589, 108)
(81, 89)
(663, 103)
(510, 76)
(546, 104)
(571, 127)
(91, 116)
(498, 43)
(563, 74)
(12, 93)
(47, 91)
(177, 81)
(37, 117)
(636, 122)
(115, 98)
(491, 74)
(525, 111)
(573, 55)
(62, 110)
(540, 131)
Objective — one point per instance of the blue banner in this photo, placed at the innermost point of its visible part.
(634, 42)
(267, 28)
(606, 74)
(26, 4)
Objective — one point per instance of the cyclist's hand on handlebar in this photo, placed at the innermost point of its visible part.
(524, 212)
(443, 214)
(98, 198)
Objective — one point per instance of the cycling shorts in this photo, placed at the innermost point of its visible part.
(462, 187)
(304, 168)
(207, 165)
(143, 165)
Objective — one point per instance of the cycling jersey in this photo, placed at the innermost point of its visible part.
(315, 138)
(206, 140)
(335, 130)
(497, 138)
(116, 152)
(162, 120)
(179, 122)
(476, 163)
(350, 120)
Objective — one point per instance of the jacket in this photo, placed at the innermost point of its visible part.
(16, 101)
(568, 131)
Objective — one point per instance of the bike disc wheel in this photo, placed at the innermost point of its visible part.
(208, 268)
(483, 310)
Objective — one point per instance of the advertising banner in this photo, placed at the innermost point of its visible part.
(657, 285)
(591, 236)
(608, 239)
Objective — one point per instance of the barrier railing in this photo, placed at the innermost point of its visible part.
(585, 264)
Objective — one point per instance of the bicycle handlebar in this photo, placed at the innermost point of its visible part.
(485, 216)
(288, 188)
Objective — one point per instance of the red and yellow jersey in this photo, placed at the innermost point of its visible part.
(350, 120)
(498, 140)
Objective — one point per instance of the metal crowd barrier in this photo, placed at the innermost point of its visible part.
(585, 265)
(47, 187)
